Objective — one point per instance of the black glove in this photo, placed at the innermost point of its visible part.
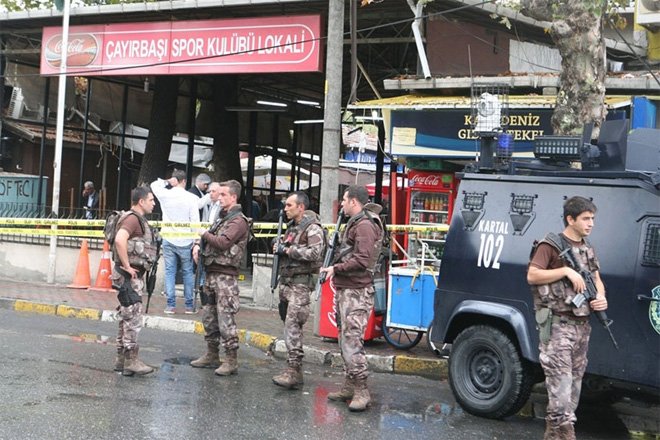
(282, 248)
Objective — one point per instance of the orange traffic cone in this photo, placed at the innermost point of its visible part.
(81, 279)
(103, 282)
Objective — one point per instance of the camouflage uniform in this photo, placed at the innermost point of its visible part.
(357, 260)
(358, 253)
(354, 306)
(223, 253)
(564, 356)
(130, 316)
(564, 360)
(218, 319)
(299, 271)
(142, 253)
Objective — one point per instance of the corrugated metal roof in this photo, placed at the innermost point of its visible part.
(418, 102)
(33, 132)
(171, 6)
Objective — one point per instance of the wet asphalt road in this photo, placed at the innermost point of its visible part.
(56, 382)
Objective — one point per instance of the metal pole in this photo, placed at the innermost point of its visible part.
(275, 157)
(2, 85)
(124, 110)
(317, 165)
(353, 20)
(57, 162)
(192, 112)
(296, 164)
(84, 142)
(252, 145)
(42, 153)
(380, 162)
(487, 149)
(332, 112)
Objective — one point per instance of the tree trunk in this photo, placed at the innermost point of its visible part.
(161, 129)
(576, 30)
(226, 155)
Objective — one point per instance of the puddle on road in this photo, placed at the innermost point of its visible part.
(179, 360)
(440, 415)
(87, 337)
(185, 360)
(76, 396)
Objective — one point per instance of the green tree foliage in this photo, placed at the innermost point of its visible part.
(577, 31)
(21, 5)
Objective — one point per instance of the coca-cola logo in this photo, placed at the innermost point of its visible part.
(428, 180)
(332, 314)
(82, 50)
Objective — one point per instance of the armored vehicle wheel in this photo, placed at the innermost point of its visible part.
(402, 338)
(487, 375)
(441, 350)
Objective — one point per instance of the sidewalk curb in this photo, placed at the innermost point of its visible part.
(400, 364)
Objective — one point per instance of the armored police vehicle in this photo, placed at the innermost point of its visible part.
(483, 305)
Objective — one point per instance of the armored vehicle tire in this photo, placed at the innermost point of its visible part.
(487, 375)
(401, 337)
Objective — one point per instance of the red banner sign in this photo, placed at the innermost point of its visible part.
(254, 45)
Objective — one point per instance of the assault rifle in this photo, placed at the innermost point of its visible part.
(589, 293)
(151, 275)
(199, 273)
(330, 253)
(275, 274)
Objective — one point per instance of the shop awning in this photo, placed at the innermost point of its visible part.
(442, 126)
(421, 102)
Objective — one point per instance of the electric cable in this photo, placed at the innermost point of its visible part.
(655, 77)
(90, 72)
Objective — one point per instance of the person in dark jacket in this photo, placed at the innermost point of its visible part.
(202, 182)
(223, 251)
(353, 271)
(90, 201)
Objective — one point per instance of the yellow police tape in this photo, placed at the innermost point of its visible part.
(50, 222)
(45, 227)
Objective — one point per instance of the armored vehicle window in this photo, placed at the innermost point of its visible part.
(651, 255)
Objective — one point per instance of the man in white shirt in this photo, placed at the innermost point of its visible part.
(179, 206)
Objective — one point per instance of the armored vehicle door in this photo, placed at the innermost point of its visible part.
(646, 294)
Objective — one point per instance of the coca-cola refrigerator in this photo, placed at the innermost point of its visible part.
(430, 201)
